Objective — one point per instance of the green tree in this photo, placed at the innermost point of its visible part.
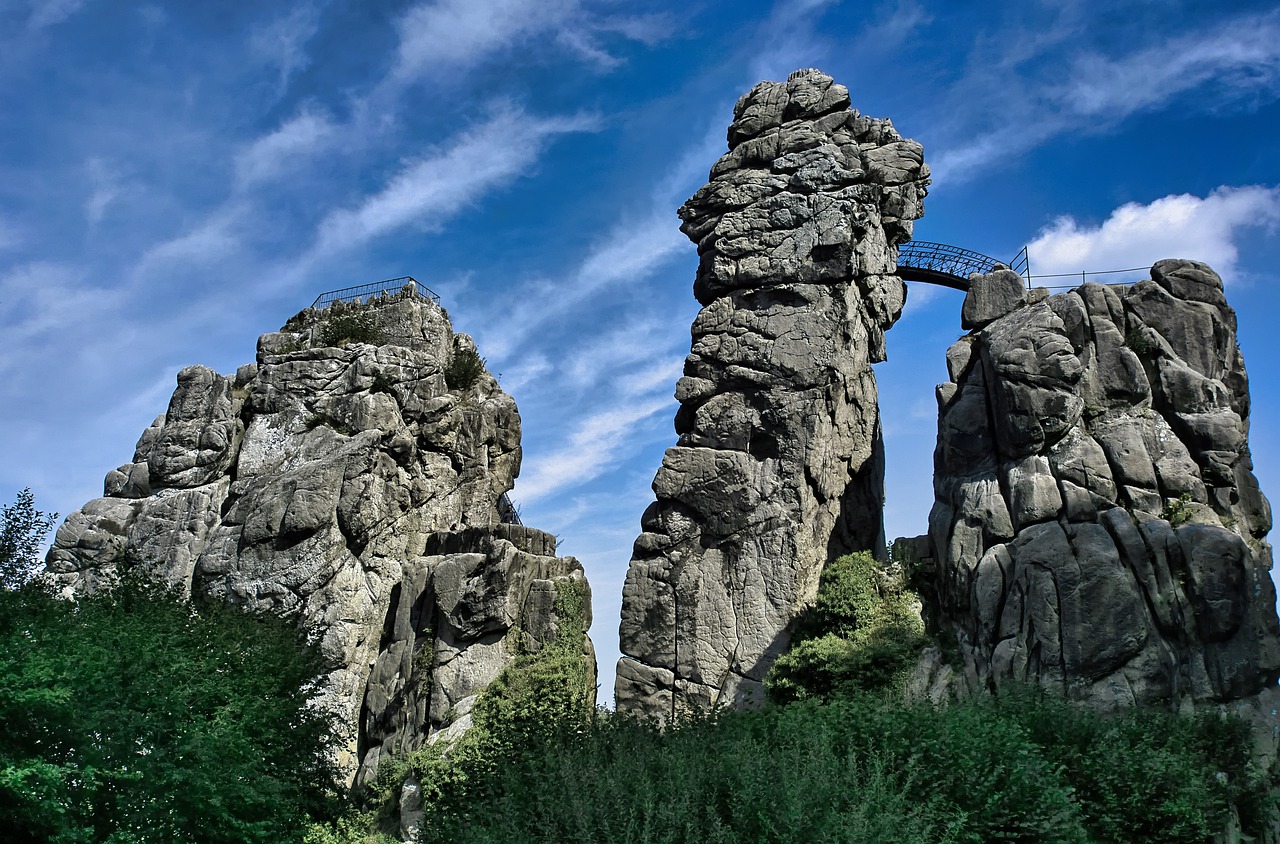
(135, 716)
(863, 633)
(22, 531)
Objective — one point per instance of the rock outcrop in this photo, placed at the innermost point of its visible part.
(350, 484)
(779, 464)
(1097, 526)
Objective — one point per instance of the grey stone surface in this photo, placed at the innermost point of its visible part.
(333, 482)
(1132, 566)
(454, 622)
(992, 296)
(779, 463)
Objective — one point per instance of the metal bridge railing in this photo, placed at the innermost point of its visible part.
(507, 512)
(943, 258)
(365, 292)
(941, 263)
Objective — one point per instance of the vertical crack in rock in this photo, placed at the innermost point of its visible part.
(779, 463)
(1095, 502)
(352, 487)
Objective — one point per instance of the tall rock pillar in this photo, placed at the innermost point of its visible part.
(779, 464)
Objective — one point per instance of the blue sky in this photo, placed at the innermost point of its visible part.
(176, 179)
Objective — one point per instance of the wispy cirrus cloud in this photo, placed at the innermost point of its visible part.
(281, 43)
(430, 190)
(456, 34)
(46, 13)
(277, 153)
(1136, 235)
(627, 253)
(597, 444)
(446, 36)
(1089, 90)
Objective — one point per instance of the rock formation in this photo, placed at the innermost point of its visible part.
(351, 484)
(1097, 526)
(779, 463)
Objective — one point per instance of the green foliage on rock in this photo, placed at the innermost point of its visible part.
(1177, 511)
(135, 716)
(464, 368)
(863, 633)
(23, 529)
(545, 692)
(344, 329)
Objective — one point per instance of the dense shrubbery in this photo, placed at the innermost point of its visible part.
(1022, 768)
(343, 329)
(134, 716)
(863, 633)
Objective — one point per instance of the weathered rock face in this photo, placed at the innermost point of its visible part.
(779, 465)
(352, 486)
(1097, 526)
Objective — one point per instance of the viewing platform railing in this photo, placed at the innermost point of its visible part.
(365, 292)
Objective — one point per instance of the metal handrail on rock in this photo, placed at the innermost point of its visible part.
(365, 292)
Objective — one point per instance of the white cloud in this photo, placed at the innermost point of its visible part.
(1243, 55)
(456, 34)
(528, 371)
(46, 302)
(282, 42)
(106, 188)
(1136, 235)
(634, 342)
(275, 154)
(10, 236)
(45, 13)
(661, 375)
(433, 188)
(599, 444)
(213, 240)
(628, 253)
(1239, 59)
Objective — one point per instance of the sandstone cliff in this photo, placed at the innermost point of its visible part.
(1098, 528)
(779, 464)
(351, 484)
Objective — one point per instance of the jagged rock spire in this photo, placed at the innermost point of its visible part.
(779, 463)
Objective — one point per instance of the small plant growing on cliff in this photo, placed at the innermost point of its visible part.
(1177, 511)
(345, 329)
(464, 368)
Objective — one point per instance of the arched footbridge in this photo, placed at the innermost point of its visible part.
(949, 266)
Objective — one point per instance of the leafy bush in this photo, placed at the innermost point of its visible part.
(344, 329)
(543, 694)
(1020, 768)
(132, 715)
(862, 633)
(464, 368)
(22, 530)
